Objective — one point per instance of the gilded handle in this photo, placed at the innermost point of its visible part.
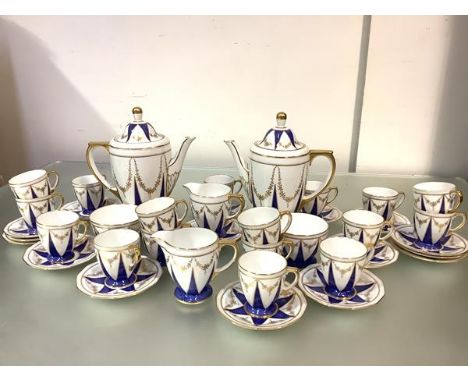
(182, 216)
(459, 195)
(95, 170)
(312, 155)
(288, 215)
(61, 200)
(241, 200)
(462, 222)
(54, 173)
(400, 200)
(226, 243)
(292, 284)
(239, 182)
(81, 235)
(391, 228)
(290, 244)
(334, 193)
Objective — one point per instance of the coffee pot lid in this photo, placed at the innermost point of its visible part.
(139, 131)
(280, 140)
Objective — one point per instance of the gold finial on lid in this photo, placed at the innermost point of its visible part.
(281, 115)
(137, 110)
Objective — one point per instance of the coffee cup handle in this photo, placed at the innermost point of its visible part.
(388, 234)
(61, 200)
(290, 245)
(400, 200)
(241, 200)
(226, 243)
(239, 182)
(334, 195)
(462, 223)
(289, 220)
(459, 195)
(292, 284)
(181, 202)
(53, 173)
(81, 235)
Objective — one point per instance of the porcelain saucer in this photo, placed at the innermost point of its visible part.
(291, 306)
(11, 240)
(91, 280)
(36, 256)
(398, 220)
(75, 206)
(384, 254)
(369, 290)
(454, 247)
(232, 229)
(331, 214)
(17, 229)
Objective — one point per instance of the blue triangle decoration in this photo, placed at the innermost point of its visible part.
(428, 234)
(258, 303)
(298, 205)
(274, 201)
(122, 274)
(219, 229)
(53, 251)
(266, 135)
(386, 212)
(253, 195)
(423, 205)
(331, 278)
(300, 254)
(144, 127)
(368, 205)
(291, 137)
(351, 280)
(314, 207)
(160, 228)
(131, 127)
(33, 193)
(278, 134)
(265, 240)
(442, 206)
(136, 193)
(240, 296)
(361, 236)
(205, 221)
(163, 186)
(193, 286)
(32, 217)
(89, 202)
(101, 199)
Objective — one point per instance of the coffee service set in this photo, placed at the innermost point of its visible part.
(288, 253)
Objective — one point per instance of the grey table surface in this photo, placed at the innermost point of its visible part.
(45, 320)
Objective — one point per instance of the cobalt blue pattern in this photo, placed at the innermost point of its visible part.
(334, 295)
(102, 280)
(122, 280)
(299, 261)
(415, 243)
(55, 256)
(79, 248)
(192, 295)
(278, 133)
(427, 243)
(90, 207)
(377, 252)
(144, 127)
(257, 321)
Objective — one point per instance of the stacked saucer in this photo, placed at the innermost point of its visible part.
(320, 204)
(432, 235)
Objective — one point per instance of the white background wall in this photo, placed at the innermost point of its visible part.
(69, 80)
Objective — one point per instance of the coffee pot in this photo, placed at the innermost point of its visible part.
(141, 163)
(278, 166)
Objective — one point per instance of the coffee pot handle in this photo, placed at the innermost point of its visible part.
(95, 170)
(312, 155)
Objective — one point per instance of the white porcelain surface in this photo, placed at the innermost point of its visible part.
(141, 162)
(263, 225)
(234, 184)
(331, 214)
(161, 214)
(89, 192)
(17, 229)
(114, 216)
(30, 210)
(283, 247)
(384, 254)
(291, 307)
(382, 200)
(437, 197)
(33, 184)
(75, 207)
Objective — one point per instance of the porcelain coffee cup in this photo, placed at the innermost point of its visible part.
(366, 227)
(118, 253)
(89, 192)
(59, 232)
(262, 276)
(317, 204)
(113, 217)
(283, 247)
(437, 197)
(159, 214)
(306, 232)
(342, 261)
(263, 225)
(192, 260)
(31, 209)
(433, 229)
(382, 200)
(227, 180)
(33, 184)
(211, 205)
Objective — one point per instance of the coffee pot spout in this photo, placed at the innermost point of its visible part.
(175, 166)
(240, 163)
